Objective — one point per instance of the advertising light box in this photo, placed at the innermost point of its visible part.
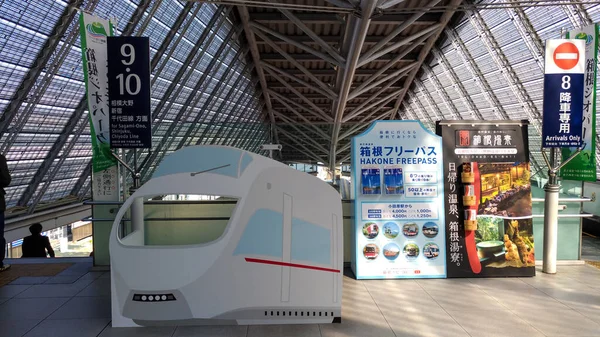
(489, 227)
(399, 207)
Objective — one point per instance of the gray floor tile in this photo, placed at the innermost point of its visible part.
(69, 327)
(560, 322)
(63, 279)
(352, 327)
(501, 283)
(17, 328)
(525, 299)
(554, 281)
(591, 312)
(12, 290)
(460, 301)
(29, 308)
(105, 275)
(92, 275)
(100, 287)
(138, 332)
(415, 299)
(506, 323)
(209, 331)
(84, 307)
(574, 296)
(31, 280)
(447, 284)
(55, 290)
(3, 299)
(423, 322)
(391, 285)
(296, 330)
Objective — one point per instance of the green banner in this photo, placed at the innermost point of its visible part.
(583, 167)
(94, 31)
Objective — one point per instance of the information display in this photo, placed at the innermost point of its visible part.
(129, 92)
(489, 227)
(399, 206)
(563, 93)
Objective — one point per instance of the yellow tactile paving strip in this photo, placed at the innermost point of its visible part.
(594, 263)
(43, 269)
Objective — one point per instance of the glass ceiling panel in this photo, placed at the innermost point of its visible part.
(547, 22)
(24, 28)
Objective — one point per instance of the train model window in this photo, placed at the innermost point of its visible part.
(176, 220)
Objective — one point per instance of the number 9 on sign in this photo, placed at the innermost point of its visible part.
(130, 83)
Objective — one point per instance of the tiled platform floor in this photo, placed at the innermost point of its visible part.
(77, 303)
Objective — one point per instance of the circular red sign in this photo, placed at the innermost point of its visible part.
(566, 56)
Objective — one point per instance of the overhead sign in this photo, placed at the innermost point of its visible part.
(563, 93)
(399, 212)
(583, 166)
(129, 92)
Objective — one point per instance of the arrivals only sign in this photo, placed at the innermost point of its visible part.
(563, 93)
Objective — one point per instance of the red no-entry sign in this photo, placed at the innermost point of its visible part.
(566, 56)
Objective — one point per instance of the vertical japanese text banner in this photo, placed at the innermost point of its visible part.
(583, 167)
(94, 32)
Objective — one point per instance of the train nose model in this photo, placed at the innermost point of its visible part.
(277, 261)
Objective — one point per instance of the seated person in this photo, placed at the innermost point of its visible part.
(36, 245)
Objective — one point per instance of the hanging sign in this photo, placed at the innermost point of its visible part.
(129, 94)
(563, 93)
(94, 32)
(489, 228)
(399, 211)
(583, 167)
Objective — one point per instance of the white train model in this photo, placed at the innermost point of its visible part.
(278, 261)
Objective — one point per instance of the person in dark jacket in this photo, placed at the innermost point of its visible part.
(36, 245)
(4, 182)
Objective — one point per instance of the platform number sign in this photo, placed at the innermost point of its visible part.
(129, 92)
(563, 93)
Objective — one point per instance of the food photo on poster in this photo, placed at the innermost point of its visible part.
(399, 208)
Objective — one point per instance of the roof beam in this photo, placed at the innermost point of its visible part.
(445, 18)
(327, 93)
(355, 34)
(332, 18)
(340, 60)
(296, 44)
(330, 39)
(318, 112)
(295, 112)
(292, 59)
(251, 39)
(378, 54)
(397, 31)
(308, 138)
(309, 57)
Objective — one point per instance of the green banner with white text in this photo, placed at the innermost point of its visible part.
(94, 31)
(583, 167)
